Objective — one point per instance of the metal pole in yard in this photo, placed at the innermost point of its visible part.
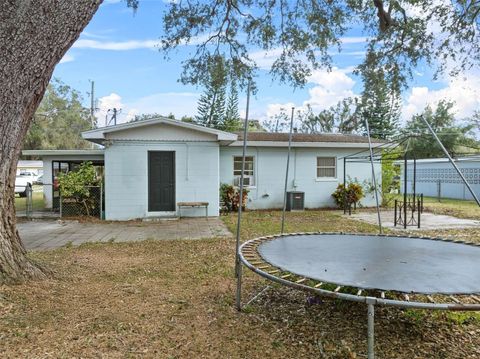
(395, 214)
(28, 201)
(451, 161)
(405, 189)
(414, 182)
(286, 171)
(60, 203)
(373, 176)
(418, 214)
(344, 185)
(101, 200)
(439, 190)
(371, 331)
(238, 264)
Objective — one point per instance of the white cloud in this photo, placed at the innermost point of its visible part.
(274, 109)
(178, 103)
(67, 58)
(104, 35)
(329, 88)
(115, 45)
(265, 59)
(353, 39)
(126, 45)
(463, 90)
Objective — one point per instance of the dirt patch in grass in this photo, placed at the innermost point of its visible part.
(174, 299)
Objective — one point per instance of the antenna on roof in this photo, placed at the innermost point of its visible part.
(113, 112)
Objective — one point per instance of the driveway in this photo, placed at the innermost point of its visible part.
(48, 234)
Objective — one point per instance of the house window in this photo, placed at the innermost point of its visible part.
(249, 174)
(326, 167)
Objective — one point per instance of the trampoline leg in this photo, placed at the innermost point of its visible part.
(238, 297)
(371, 331)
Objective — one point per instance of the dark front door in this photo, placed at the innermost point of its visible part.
(161, 181)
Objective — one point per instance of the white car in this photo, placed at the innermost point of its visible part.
(22, 182)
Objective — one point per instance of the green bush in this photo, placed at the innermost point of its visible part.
(346, 196)
(390, 181)
(79, 187)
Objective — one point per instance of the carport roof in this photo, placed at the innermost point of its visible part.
(43, 153)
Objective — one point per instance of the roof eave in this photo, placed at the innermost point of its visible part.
(99, 135)
(306, 144)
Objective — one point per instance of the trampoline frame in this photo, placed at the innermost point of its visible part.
(251, 258)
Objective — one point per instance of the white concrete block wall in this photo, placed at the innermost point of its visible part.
(456, 190)
(270, 165)
(126, 177)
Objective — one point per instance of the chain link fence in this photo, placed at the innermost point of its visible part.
(90, 205)
(46, 201)
(35, 201)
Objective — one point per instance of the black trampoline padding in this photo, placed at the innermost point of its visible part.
(404, 264)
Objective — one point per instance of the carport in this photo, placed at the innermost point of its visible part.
(62, 161)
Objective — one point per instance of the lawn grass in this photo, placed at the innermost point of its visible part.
(38, 202)
(453, 207)
(175, 299)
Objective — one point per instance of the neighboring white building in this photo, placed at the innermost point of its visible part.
(152, 165)
(436, 177)
(30, 167)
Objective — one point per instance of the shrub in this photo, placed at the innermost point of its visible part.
(77, 186)
(230, 197)
(390, 181)
(352, 194)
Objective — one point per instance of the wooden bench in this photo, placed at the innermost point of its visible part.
(192, 205)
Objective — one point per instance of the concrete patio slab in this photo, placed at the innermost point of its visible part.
(48, 234)
(428, 221)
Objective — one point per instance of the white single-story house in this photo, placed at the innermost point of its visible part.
(152, 165)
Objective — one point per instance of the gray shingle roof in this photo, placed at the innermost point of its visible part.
(306, 137)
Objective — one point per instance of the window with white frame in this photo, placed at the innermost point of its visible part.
(326, 167)
(249, 173)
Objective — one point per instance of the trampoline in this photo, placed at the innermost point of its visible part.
(399, 271)
(393, 270)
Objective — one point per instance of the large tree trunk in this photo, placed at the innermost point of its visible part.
(34, 36)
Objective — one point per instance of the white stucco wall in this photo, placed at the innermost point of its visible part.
(161, 132)
(126, 177)
(270, 175)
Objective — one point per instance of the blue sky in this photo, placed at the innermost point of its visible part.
(119, 51)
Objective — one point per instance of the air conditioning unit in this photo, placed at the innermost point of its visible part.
(248, 181)
(295, 201)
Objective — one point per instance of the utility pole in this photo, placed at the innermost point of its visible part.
(93, 121)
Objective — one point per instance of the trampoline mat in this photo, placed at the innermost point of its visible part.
(409, 265)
